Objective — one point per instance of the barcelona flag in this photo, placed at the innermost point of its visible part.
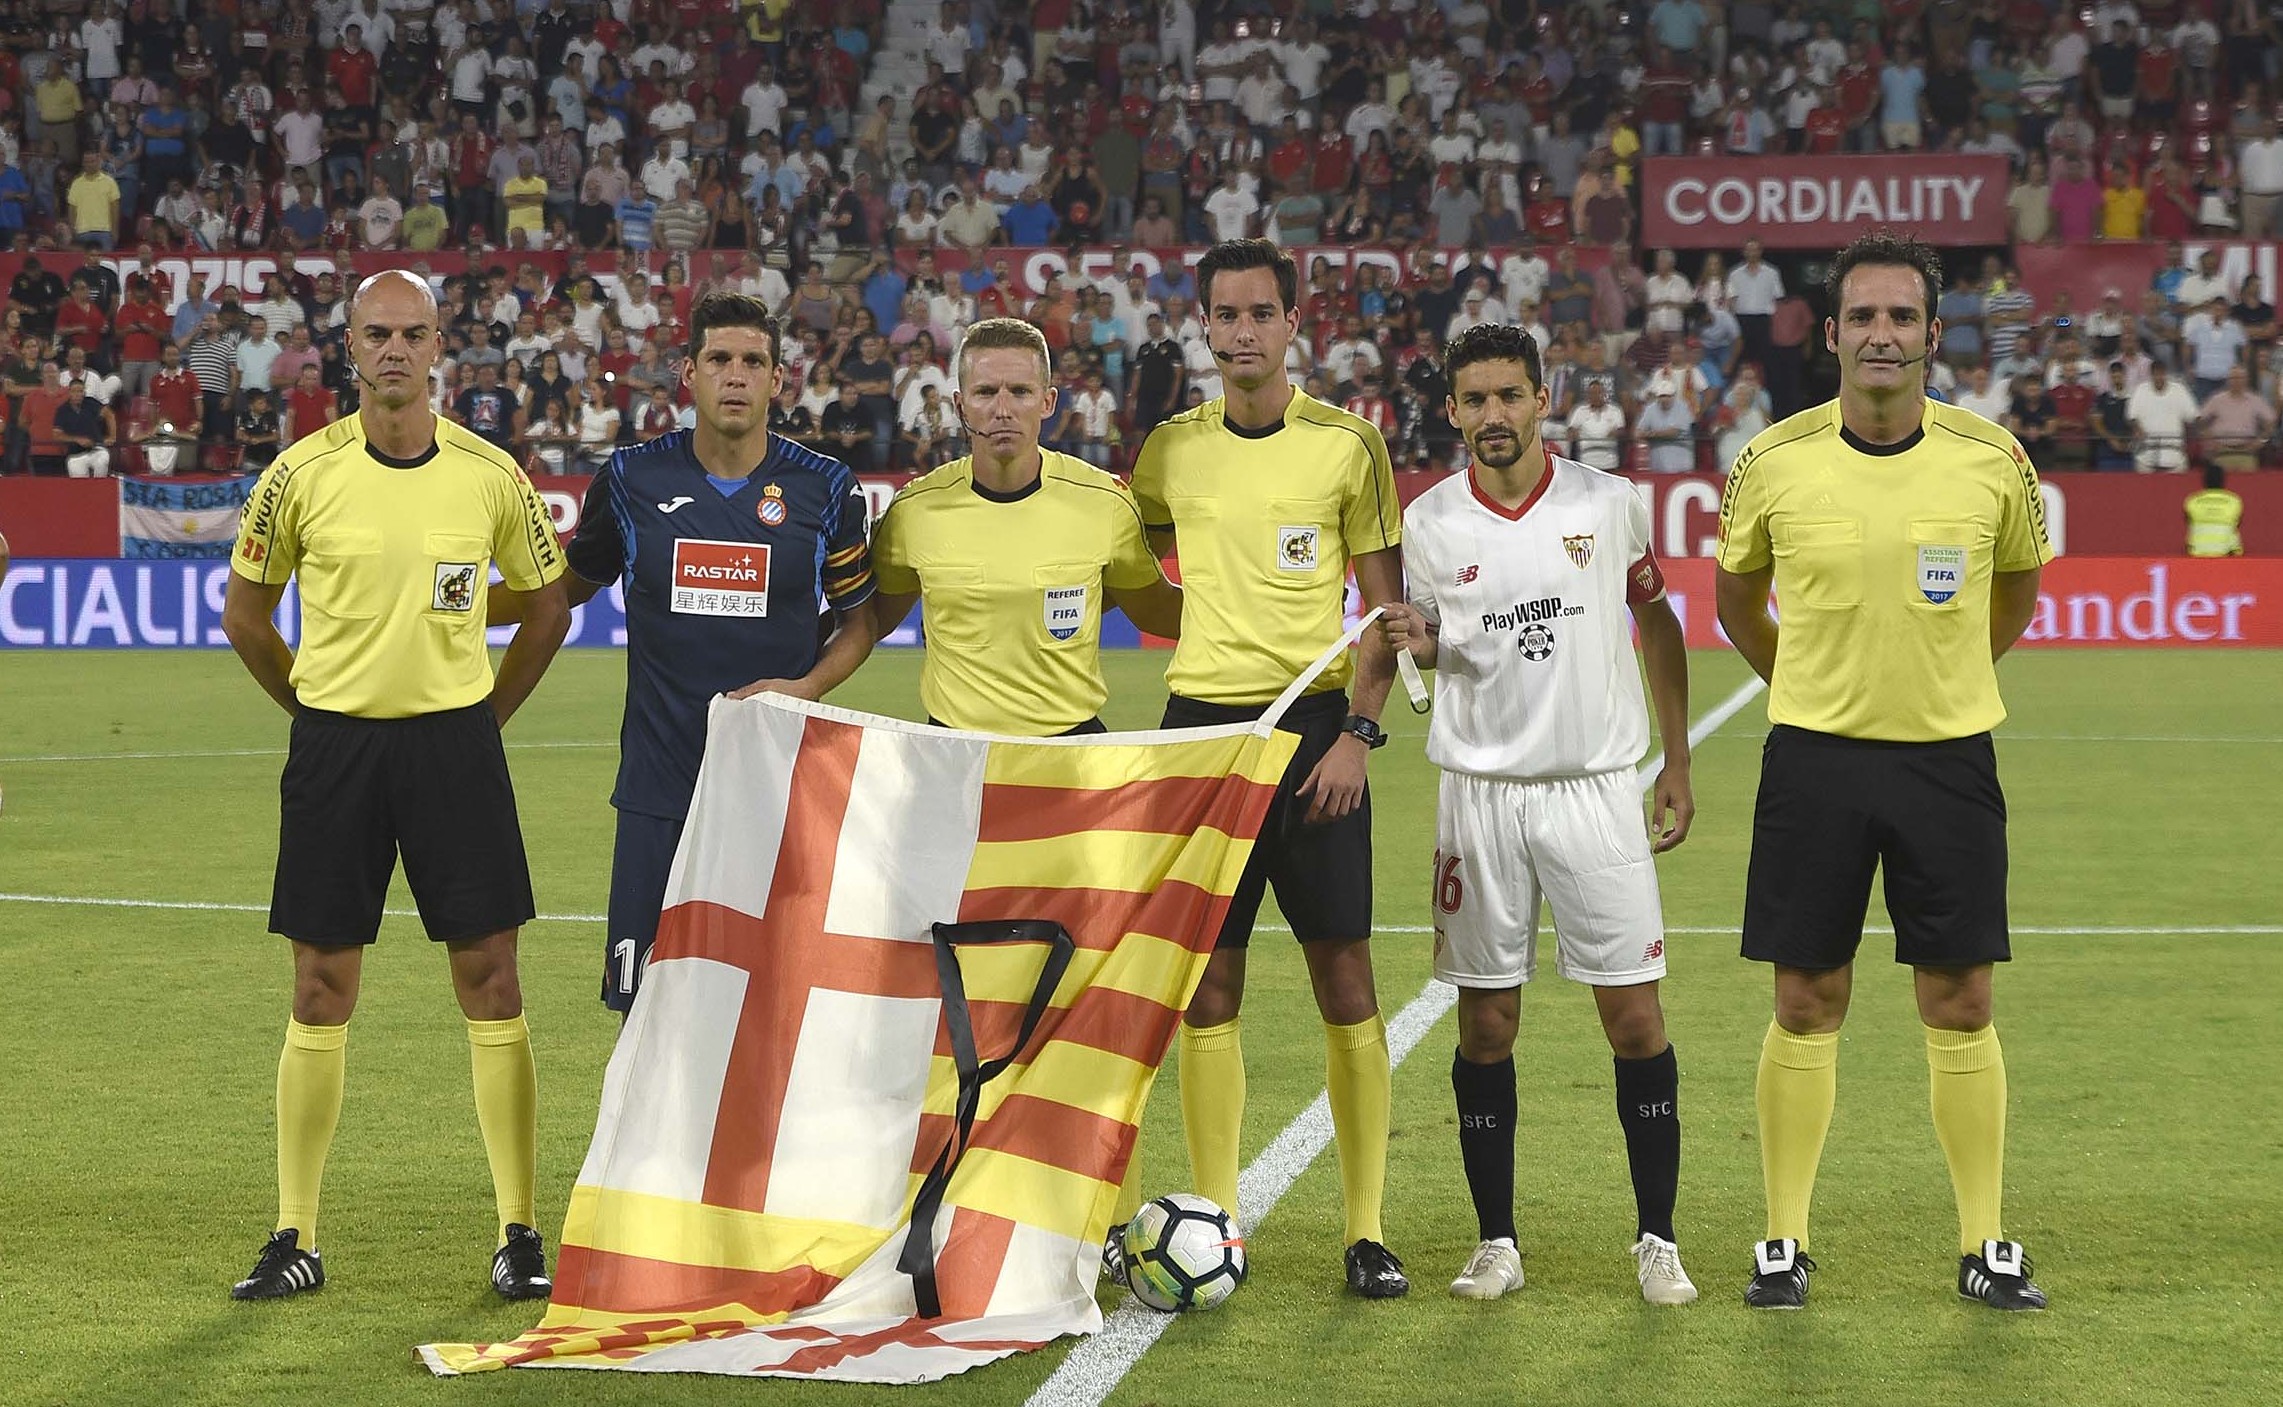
(868, 1117)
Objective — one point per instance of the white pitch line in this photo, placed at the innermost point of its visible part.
(1096, 1366)
(229, 752)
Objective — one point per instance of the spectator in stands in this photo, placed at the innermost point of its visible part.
(598, 426)
(309, 407)
(1983, 394)
(2214, 343)
(258, 433)
(1597, 427)
(84, 427)
(1669, 426)
(2234, 425)
(2112, 422)
(847, 429)
(2161, 413)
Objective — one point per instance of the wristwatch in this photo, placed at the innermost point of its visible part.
(1369, 733)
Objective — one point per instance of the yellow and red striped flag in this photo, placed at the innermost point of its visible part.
(905, 976)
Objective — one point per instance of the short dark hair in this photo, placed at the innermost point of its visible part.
(733, 310)
(1493, 342)
(1885, 248)
(1233, 255)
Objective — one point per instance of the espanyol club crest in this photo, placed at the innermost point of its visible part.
(1065, 611)
(1580, 550)
(772, 508)
(1941, 571)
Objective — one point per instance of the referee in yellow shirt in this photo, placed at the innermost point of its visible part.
(390, 521)
(1904, 538)
(1271, 496)
(1015, 552)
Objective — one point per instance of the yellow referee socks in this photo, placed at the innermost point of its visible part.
(1799, 1080)
(1967, 1074)
(1213, 1106)
(309, 1078)
(1361, 1086)
(507, 1110)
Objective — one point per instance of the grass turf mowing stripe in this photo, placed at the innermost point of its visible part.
(1095, 1368)
(2178, 930)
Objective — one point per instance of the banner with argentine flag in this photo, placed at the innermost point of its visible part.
(172, 518)
(906, 978)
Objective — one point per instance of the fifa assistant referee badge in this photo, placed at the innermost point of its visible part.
(1365, 730)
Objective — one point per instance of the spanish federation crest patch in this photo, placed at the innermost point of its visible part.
(1580, 550)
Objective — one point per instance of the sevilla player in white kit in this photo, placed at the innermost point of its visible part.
(1525, 576)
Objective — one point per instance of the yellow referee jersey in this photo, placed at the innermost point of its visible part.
(1883, 557)
(393, 561)
(1013, 589)
(1267, 522)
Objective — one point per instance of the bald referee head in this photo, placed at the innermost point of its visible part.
(393, 346)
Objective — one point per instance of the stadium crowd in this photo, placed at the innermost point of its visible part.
(865, 167)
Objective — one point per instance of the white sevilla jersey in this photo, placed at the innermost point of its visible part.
(1534, 675)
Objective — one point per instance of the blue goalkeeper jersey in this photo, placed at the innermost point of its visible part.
(725, 582)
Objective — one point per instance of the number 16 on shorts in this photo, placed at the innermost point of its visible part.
(1450, 896)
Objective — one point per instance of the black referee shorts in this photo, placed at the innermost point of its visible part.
(358, 791)
(1831, 810)
(1086, 729)
(1321, 872)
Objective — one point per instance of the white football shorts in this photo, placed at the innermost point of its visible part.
(1582, 844)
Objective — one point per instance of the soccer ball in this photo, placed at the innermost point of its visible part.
(1183, 1252)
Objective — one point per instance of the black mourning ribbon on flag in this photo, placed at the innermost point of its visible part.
(918, 1257)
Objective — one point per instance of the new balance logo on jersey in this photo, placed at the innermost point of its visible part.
(679, 500)
(1468, 574)
(1655, 950)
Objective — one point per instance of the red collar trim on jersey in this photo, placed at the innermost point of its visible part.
(1512, 515)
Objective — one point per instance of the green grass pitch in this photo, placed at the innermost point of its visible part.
(141, 1046)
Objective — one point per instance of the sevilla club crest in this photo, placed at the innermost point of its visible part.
(1580, 550)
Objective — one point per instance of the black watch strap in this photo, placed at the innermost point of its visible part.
(1365, 729)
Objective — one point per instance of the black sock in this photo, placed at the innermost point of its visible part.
(1648, 1105)
(1486, 1140)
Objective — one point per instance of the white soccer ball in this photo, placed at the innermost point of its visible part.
(1183, 1252)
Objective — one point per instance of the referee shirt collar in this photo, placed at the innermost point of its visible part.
(1259, 432)
(1860, 445)
(391, 461)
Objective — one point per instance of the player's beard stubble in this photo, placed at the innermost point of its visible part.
(1503, 446)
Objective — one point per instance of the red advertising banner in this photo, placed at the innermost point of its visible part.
(2087, 271)
(1820, 202)
(2105, 602)
(179, 271)
(2088, 515)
